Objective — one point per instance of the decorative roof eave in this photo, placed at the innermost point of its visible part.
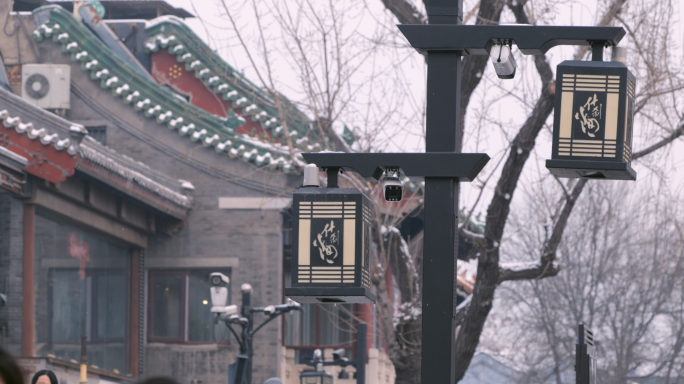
(101, 167)
(54, 159)
(253, 104)
(12, 160)
(41, 134)
(12, 175)
(156, 102)
(171, 33)
(49, 157)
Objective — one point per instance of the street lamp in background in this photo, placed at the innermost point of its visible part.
(318, 376)
(241, 371)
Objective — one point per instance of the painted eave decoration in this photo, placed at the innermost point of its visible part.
(50, 156)
(238, 98)
(101, 163)
(53, 156)
(153, 100)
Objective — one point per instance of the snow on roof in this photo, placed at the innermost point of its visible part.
(91, 153)
(33, 133)
(173, 34)
(90, 150)
(155, 101)
(186, 185)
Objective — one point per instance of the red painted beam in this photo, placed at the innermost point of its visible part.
(44, 160)
(166, 70)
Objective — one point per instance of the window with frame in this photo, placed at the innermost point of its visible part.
(82, 281)
(98, 133)
(179, 307)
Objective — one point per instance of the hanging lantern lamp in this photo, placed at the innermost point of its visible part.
(593, 119)
(330, 242)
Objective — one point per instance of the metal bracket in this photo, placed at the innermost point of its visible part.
(416, 166)
(531, 40)
(444, 11)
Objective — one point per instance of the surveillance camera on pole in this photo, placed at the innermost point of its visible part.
(225, 311)
(392, 188)
(219, 292)
(338, 356)
(503, 61)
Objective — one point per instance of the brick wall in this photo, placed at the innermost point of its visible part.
(11, 266)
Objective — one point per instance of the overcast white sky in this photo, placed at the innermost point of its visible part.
(370, 21)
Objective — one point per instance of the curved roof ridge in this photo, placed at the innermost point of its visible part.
(57, 135)
(169, 32)
(62, 126)
(153, 100)
(132, 175)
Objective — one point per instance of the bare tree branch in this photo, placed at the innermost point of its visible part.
(675, 134)
(488, 273)
(269, 86)
(546, 266)
(475, 238)
(405, 12)
(608, 17)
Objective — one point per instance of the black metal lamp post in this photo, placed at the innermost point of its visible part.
(315, 377)
(339, 360)
(445, 41)
(247, 334)
(241, 371)
(585, 358)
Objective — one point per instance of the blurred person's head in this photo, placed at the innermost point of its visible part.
(9, 370)
(44, 377)
(158, 380)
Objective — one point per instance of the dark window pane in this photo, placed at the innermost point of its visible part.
(301, 328)
(68, 302)
(98, 133)
(110, 302)
(309, 325)
(82, 285)
(167, 306)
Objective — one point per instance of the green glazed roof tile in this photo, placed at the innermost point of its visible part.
(155, 101)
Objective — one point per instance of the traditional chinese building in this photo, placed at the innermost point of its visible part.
(134, 162)
(76, 220)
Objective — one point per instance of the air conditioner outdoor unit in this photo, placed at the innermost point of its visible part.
(46, 85)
